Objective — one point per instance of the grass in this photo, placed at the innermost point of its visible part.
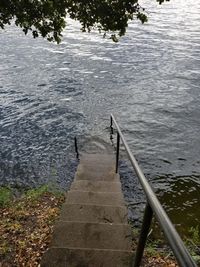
(152, 248)
(195, 235)
(36, 193)
(158, 254)
(27, 224)
(155, 254)
(5, 196)
(193, 243)
(157, 248)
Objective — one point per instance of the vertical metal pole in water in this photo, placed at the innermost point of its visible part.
(148, 214)
(117, 152)
(111, 128)
(76, 147)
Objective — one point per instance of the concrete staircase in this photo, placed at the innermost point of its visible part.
(92, 230)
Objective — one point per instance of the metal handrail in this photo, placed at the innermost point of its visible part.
(153, 206)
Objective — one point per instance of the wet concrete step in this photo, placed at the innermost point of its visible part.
(70, 257)
(102, 198)
(98, 162)
(92, 235)
(93, 213)
(97, 167)
(98, 159)
(96, 186)
(97, 176)
(104, 168)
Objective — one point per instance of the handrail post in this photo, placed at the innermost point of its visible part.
(111, 128)
(117, 152)
(148, 214)
(76, 147)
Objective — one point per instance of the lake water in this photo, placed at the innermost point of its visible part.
(149, 80)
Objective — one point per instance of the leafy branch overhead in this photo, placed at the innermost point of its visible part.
(47, 17)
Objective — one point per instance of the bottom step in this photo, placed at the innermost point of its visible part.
(75, 257)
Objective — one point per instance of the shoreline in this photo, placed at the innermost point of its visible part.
(27, 225)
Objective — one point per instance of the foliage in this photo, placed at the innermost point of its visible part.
(37, 192)
(193, 243)
(195, 235)
(135, 233)
(156, 247)
(151, 249)
(47, 17)
(156, 252)
(5, 196)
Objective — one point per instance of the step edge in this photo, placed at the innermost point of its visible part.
(92, 223)
(95, 205)
(95, 249)
(96, 192)
(109, 182)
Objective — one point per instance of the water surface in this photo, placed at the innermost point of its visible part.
(149, 80)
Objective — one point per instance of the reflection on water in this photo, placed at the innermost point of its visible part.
(150, 80)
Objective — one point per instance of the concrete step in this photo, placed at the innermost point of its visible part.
(92, 235)
(93, 213)
(98, 159)
(96, 186)
(96, 175)
(104, 168)
(70, 257)
(97, 198)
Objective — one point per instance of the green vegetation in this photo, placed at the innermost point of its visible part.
(157, 252)
(158, 248)
(5, 196)
(36, 193)
(152, 248)
(47, 18)
(193, 243)
(27, 224)
(195, 235)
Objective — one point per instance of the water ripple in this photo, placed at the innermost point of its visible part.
(150, 80)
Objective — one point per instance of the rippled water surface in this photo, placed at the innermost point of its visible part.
(149, 80)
